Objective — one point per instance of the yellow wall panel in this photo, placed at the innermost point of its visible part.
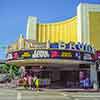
(59, 31)
(64, 33)
(66, 25)
(94, 22)
(47, 32)
(68, 33)
(51, 33)
(39, 33)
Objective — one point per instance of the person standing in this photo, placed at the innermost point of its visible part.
(29, 81)
(33, 82)
(37, 84)
(87, 83)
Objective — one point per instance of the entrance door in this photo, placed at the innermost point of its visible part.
(98, 76)
(69, 79)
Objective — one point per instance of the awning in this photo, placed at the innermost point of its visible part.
(47, 61)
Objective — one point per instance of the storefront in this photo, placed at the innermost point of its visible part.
(98, 66)
(53, 51)
(63, 65)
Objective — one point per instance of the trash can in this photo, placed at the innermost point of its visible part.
(95, 85)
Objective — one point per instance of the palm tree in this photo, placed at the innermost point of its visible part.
(4, 68)
(14, 71)
(10, 69)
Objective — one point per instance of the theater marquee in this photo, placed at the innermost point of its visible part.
(50, 54)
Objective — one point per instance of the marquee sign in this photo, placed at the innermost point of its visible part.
(50, 54)
(73, 46)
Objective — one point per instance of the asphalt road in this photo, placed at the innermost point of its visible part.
(11, 94)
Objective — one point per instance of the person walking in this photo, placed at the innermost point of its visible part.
(37, 84)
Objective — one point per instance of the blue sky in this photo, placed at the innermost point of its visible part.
(14, 13)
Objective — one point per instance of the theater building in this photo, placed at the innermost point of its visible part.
(62, 52)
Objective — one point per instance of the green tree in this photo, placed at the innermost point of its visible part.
(4, 68)
(11, 69)
(14, 70)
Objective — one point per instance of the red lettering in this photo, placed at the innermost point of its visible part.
(54, 54)
(15, 55)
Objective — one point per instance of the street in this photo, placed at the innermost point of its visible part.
(12, 94)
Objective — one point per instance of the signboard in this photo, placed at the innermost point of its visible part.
(49, 54)
(73, 46)
(87, 56)
(26, 54)
(40, 54)
(9, 56)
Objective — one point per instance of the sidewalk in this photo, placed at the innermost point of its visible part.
(50, 89)
(72, 90)
(7, 85)
(62, 90)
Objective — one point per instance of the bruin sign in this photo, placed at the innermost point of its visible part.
(73, 46)
(50, 54)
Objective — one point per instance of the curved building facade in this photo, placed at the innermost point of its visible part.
(60, 49)
(60, 31)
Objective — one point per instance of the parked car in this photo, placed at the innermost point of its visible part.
(4, 78)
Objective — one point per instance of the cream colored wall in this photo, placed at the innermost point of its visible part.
(60, 31)
(88, 23)
(31, 30)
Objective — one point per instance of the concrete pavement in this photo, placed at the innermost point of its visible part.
(12, 94)
(8, 94)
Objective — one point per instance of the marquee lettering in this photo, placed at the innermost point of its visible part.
(66, 54)
(62, 45)
(54, 54)
(40, 54)
(9, 56)
(78, 55)
(87, 57)
(15, 55)
(26, 54)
